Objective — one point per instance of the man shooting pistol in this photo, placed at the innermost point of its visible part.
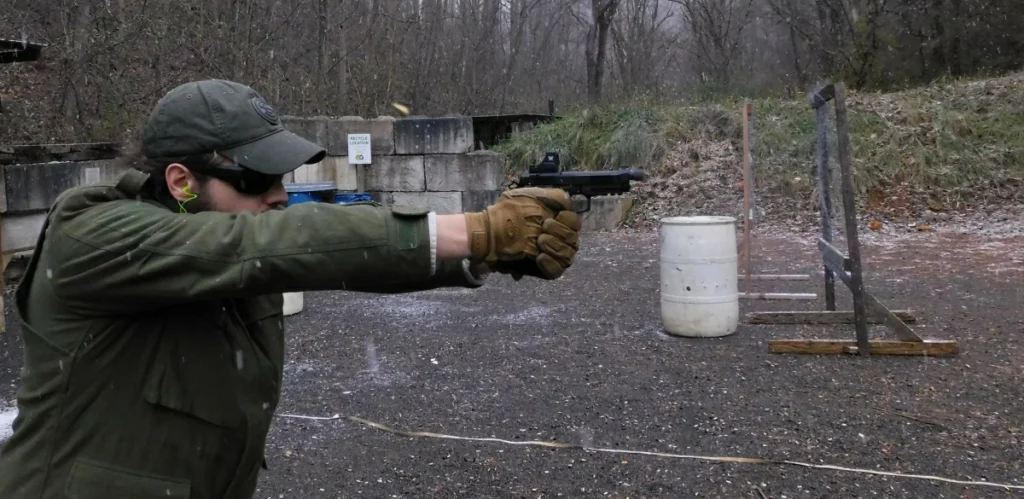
(151, 309)
(549, 174)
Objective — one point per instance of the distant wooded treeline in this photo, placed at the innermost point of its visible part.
(108, 60)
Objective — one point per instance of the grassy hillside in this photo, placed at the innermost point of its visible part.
(956, 146)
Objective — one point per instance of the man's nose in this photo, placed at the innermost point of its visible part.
(276, 195)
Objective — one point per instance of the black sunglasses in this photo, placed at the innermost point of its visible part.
(243, 179)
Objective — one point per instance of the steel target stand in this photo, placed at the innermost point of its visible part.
(866, 307)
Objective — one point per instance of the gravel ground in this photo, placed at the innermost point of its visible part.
(583, 360)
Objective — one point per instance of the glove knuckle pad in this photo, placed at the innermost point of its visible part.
(559, 230)
(554, 248)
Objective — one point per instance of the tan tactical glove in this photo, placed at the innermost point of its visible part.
(529, 231)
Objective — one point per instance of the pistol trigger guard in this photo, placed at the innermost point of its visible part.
(576, 202)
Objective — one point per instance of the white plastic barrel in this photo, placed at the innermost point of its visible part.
(292, 303)
(699, 268)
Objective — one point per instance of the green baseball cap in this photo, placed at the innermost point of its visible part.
(229, 118)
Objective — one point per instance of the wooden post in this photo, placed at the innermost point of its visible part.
(819, 101)
(850, 209)
(746, 193)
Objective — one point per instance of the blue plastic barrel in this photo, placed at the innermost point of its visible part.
(300, 197)
(319, 192)
(351, 197)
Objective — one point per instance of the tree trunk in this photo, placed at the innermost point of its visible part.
(597, 45)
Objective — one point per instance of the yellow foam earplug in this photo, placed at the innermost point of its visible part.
(191, 196)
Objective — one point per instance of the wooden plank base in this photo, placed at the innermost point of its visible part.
(931, 348)
(777, 277)
(821, 317)
(778, 296)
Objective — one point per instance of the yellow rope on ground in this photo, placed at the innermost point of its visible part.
(749, 460)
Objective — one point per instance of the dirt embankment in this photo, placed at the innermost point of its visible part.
(946, 156)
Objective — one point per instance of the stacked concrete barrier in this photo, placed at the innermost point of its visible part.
(28, 190)
(421, 161)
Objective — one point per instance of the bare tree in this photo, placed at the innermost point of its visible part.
(108, 61)
(602, 14)
(716, 27)
(642, 45)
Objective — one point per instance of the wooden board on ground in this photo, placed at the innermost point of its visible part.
(777, 277)
(821, 317)
(778, 296)
(935, 348)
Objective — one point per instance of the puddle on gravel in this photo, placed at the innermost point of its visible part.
(586, 438)
(374, 373)
(380, 378)
(532, 315)
(404, 305)
(408, 308)
(372, 362)
(299, 368)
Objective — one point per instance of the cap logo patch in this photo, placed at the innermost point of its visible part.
(264, 110)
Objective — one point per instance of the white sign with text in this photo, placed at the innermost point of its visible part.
(359, 149)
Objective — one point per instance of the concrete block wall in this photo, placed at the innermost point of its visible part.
(428, 162)
(28, 190)
(422, 161)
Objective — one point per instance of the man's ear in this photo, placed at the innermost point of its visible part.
(180, 182)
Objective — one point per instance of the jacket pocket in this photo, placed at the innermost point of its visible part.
(209, 400)
(94, 480)
(195, 373)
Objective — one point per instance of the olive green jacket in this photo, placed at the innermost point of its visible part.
(154, 340)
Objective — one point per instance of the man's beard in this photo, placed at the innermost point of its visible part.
(200, 203)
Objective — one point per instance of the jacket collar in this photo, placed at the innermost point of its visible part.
(132, 181)
(135, 183)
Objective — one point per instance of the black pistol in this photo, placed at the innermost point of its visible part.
(589, 183)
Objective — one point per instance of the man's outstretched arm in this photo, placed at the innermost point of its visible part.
(126, 254)
(129, 254)
(453, 268)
